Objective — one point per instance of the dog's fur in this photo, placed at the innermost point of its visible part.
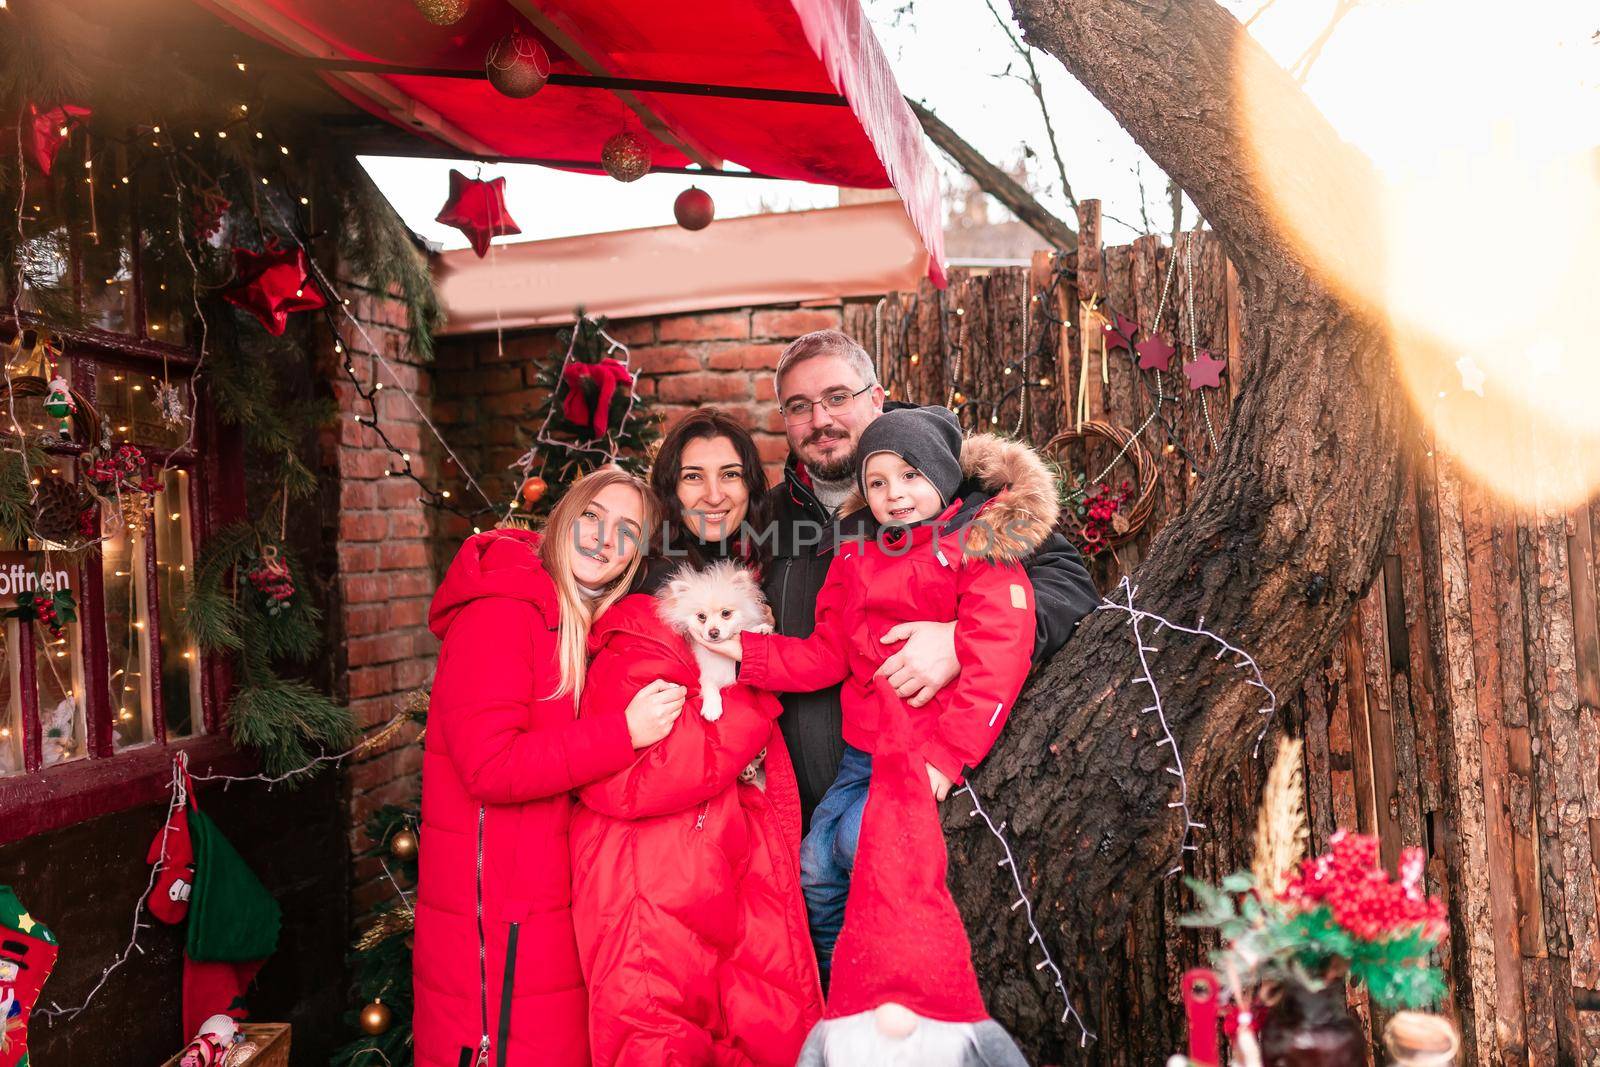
(714, 604)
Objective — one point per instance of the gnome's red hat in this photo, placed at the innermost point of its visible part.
(903, 940)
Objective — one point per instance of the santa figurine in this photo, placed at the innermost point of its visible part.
(903, 989)
(211, 1044)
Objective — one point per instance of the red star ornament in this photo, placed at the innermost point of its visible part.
(1205, 372)
(478, 209)
(44, 132)
(1154, 353)
(1120, 332)
(272, 284)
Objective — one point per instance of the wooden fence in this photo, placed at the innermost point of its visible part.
(1461, 711)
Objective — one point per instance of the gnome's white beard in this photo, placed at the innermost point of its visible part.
(856, 1041)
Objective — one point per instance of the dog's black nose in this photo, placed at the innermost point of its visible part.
(713, 634)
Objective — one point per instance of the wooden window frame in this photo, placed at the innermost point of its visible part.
(38, 799)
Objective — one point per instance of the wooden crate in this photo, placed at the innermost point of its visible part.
(272, 1038)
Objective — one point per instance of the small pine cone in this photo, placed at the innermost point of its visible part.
(55, 515)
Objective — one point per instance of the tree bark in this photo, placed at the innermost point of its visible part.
(1274, 552)
(996, 182)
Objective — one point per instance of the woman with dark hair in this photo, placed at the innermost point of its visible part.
(708, 478)
(686, 886)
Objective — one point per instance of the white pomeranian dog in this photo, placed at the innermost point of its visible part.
(708, 606)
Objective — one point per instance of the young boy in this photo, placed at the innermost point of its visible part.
(953, 521)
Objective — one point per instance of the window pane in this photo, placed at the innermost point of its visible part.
(11, 720)
(180, 663)
(129, 406)
(58, 669)
(127, 634)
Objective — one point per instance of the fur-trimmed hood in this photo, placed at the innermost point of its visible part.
(1009, 485)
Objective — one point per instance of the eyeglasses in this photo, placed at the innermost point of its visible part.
(799, 410)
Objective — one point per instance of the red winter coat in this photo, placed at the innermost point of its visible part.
(499, 766)
(686, 883)
(963, 567)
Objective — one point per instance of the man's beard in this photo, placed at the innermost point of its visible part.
(834, 470)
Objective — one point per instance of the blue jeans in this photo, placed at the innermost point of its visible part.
(828, 854)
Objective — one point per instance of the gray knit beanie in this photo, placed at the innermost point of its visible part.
(928, 439)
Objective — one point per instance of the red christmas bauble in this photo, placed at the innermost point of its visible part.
(517, 65)
(694, 209)
(533, 489)
(626, 157)
(442, 12)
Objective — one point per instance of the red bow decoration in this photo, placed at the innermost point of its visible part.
(607, 375)
(44, 132)
(478, 209)
(273, 283)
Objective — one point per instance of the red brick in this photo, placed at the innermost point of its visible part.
(365, 589)
(358, 558)
(792, 323)
(364, 462)
(395, 493)
(774, 473)
(408, 612)
(411, 673)
(365, 620)
(720, 326)
(666, 359)
(363, 526)
(408, 524)
(408, 583)
(636, 332)
(358, 496)
(703, 388)
(400, 555)
(772, 449)
(372, 711)
(766, 388)
(745, 357)
(370, 681)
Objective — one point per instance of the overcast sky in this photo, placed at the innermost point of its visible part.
(1410, 81)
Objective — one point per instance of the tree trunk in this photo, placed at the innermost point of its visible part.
(1274, 553)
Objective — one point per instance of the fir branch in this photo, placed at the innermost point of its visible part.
(284, 720)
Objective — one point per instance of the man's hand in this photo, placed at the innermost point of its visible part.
(925, 664)
(731, 647)
(941, 785)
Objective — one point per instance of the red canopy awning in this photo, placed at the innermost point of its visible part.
(824, 48)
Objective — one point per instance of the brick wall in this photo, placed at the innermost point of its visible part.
(485, 394)
(383, 577)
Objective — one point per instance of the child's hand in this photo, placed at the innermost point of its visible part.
(941, 785)
(925, 664)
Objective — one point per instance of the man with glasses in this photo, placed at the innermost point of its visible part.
(829, 393)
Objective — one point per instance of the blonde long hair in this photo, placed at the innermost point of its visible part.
(578, 611)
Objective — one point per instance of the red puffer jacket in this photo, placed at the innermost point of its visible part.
(964, 567)
(500, 762)
(686, 884)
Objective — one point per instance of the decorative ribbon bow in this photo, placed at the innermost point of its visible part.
(607, 375)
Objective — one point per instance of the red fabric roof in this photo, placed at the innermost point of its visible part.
(824, 46)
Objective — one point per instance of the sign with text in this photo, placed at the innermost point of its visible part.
(35, 572)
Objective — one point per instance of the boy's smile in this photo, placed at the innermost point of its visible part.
(897, 492)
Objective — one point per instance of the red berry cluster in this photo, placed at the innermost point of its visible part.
(86, 519)
(271, 578)
(206, 213)
(44, 609)
(125, 469)
(1103, 506)
(1350, 881)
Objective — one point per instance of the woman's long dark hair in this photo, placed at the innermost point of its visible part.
(702, 424)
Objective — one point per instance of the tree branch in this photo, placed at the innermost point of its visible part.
(1037, 85)
(996, 182)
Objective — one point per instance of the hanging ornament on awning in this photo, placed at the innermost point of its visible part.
(517, 65)
(273, 284)
(478, 209)
(442, 12)
(626, 157)
(694, 208)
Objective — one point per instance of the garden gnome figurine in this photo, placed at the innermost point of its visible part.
(904, 990)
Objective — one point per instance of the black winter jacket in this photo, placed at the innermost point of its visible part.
(805, 534)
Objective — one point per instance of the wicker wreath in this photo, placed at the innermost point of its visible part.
(86, 419)
(1130, 449)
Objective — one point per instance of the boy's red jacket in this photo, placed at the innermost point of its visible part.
(965, 567)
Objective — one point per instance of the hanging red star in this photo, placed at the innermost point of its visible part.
(1120, 332)
(1154, 353)
(44, 132)
(272, 284)
(478, 209)
(1205, 372)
